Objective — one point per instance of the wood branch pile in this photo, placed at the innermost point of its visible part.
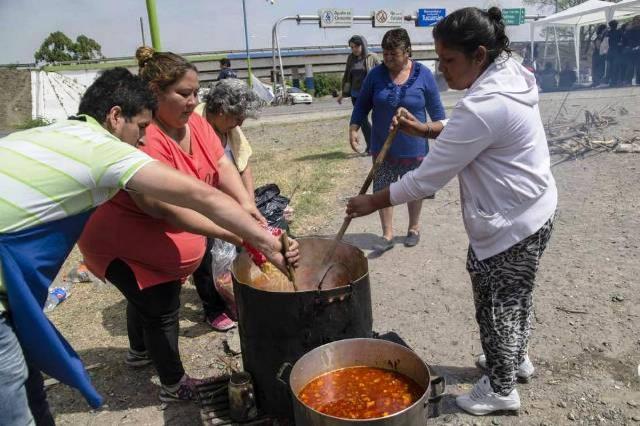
(572, 139)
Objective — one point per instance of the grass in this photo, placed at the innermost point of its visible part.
(310, 163)
(33, 122)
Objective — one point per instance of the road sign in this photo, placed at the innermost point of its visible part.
(387, 18)
(513, 16)
(429, 17)
(332, 18)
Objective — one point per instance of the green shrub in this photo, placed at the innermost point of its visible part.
(327, 84)
(34, 122)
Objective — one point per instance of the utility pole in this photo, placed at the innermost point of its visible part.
(246, 41)
(153, 25)
(144, 43)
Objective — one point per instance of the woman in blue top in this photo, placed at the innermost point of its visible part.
(398, 82)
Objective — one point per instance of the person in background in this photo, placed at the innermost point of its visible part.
(148, 248)
(495, 144)
(598, 59)
(567, 77)
(547, 78)
(359, 63)
(226, 106)
(398, 82)
(631, 52)
(614, 39)
(71, 167)
(225, 70)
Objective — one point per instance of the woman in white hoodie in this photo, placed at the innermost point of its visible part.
(495, 143)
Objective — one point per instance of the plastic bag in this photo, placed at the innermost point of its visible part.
(222, 256)
(272, 205)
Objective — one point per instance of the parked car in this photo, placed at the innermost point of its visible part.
(297, 96)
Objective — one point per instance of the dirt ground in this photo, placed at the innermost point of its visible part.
(586, 337)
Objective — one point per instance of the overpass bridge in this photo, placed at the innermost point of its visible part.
(321, 59)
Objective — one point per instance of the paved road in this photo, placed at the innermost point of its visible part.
(327, 104)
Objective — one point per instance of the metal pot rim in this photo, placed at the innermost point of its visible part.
(309, 237)
(376, 341)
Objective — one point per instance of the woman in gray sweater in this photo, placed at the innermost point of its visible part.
(359, 63)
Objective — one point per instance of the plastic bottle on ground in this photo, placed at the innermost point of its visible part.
(58, 293)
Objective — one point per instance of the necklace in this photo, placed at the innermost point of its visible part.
(165, 130)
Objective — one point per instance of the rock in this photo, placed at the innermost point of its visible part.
(562, 404)
(636, 419)
(617, 298)
(495, 422)
(449, 418)
(633, 404)
(571, 416)
(232, 343)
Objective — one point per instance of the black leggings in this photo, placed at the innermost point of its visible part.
(152, 320)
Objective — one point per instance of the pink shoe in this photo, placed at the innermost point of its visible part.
(221, 323)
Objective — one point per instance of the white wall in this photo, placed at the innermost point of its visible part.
(56, 96)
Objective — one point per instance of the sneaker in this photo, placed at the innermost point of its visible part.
(137, 359)
(483, 400)
(220, 323)
(523, 374)
(184, 390)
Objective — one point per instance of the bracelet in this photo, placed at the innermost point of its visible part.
(428, 132)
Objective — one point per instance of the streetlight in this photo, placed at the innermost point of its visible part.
(246, 41)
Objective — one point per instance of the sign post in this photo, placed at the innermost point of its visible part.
(513, 16)
(429, 17)
(335, 18)
(387, 18)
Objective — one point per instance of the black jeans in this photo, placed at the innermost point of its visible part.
(152, 320)
(365, 126)
(37, 398)
(212, 303)
(598, 64)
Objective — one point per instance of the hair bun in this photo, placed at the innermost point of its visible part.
(143, 54)
(495, 14)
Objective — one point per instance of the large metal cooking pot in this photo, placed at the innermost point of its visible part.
(369, 353)
(277, 328)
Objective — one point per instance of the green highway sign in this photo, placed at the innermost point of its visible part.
(513, 16)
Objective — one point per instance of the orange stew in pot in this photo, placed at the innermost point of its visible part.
(361, 393)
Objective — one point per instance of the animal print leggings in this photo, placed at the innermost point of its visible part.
(502, 290)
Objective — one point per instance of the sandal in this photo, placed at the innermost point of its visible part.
(413, 238)
(383, 245)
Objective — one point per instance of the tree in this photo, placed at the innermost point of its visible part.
(86, 48)
(57, 47)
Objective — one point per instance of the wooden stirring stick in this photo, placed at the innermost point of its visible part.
(363, 190)
(284, 239)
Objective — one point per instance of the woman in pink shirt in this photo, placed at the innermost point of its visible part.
(148, 248)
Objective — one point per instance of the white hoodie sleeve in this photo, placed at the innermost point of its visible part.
(464, 137)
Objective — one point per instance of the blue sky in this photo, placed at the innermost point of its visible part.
(198, 25)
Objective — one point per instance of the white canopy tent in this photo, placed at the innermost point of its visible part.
(625, 9)
(587, 13)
